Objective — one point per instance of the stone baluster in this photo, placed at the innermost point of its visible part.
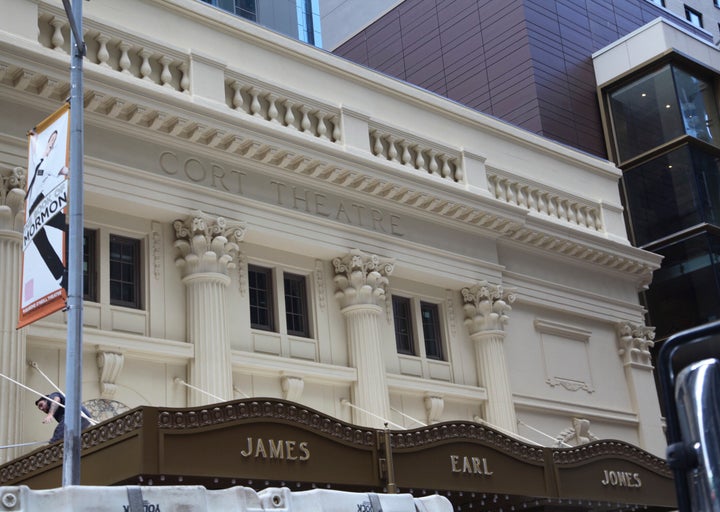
(634, 344)
(255, 107)
(321, 126)
(336, 131)
(207, 248)
(289, 117)
(237, 99)
(272, 109)
(57, 38)
(124, 61)
(145, 68)
(361, 281)
(12, 341)
(184, 77)
(305, 123)
(103, 56)
(486, 308)
(165, 74)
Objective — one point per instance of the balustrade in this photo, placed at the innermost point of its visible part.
(119, 51)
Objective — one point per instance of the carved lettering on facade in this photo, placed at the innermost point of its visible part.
(234, 181)
(620, 479)
(469, 465)
(258, 448)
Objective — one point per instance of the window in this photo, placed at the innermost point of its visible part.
(660, 3)
(125, 272)
(263, 308)
(431, 330)
(717, 3)
(89, 265)
(412, 316)
(296, 305)
(404, 338)
(261, 298)
(693, 16)
(245, 8)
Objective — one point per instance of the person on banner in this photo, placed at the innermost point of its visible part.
(53, 405)
(47, 174)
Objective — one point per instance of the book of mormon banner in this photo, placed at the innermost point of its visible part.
(44, 275)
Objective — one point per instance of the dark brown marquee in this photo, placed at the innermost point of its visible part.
(268, 442)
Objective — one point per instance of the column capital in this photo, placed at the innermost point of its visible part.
(486, 307)
(206, 243)
(361, 278)
(12, 198)
(634, 344)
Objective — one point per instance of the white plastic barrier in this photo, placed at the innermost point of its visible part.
(191, 498)
(281, 499)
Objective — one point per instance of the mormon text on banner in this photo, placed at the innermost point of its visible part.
(44, 277)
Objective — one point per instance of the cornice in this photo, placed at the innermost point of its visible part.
(148, 108)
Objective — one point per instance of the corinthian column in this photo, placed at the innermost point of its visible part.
(207, 248)
(12, 341)
(361, 281)
(634, 344)
(486, 308)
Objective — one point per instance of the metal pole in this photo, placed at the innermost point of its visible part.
(73, 364)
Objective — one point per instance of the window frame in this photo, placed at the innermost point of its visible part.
(691, 14)
(302, 300)
(423, 346)
(403, 306)
(269, 290)
(136, 263)
(90, 265)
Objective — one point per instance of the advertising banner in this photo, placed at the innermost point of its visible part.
(44, 267)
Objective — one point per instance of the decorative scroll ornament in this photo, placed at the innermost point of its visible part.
(486, 307)
(207, 244)
(434, 406)
(634, 343)
(292, 387)
(361, 278)
(12, 198)
(110, 365)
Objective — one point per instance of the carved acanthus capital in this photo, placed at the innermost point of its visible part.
(206, 243)
(486, 307)
(634, 343)
(361, 278)
(12, 198)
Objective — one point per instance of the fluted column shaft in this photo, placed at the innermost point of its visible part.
(361, 281)
(208, 247)
(486, 307)
(493, 376)
(12, 341)
(12, 345)
(370, 391)
(210, 370)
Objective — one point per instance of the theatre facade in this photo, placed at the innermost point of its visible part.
(264, 219)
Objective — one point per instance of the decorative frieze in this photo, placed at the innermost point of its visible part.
(634, 343)
(361, 278)
(486, 307)
(207, 244)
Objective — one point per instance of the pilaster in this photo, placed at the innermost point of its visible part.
(207, 248)
(634, 344)
(12, 341)
(486, 308)
(361, 283)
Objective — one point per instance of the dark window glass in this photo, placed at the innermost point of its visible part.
(246, 9)
(402, 317)
(124, 271)
(296, 306)
(697, 106)
(89, 266)
(431, 330)
(645, 114)
(672, 192)
(661, 3)
(261, 298)
(685, 291)
(693, 16)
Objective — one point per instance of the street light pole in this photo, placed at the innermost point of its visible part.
(73, 361)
